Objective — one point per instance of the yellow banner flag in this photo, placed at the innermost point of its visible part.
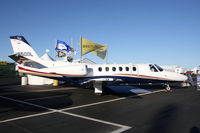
(88, 46)
(101, 52)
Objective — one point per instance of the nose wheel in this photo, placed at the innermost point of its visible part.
(167, 88)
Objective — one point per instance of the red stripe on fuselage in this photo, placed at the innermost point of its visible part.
(21, 68)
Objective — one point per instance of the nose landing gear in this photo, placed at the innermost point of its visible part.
(167, 88)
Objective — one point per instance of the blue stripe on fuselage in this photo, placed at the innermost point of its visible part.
(123, 78)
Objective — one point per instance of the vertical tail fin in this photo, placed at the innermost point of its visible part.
(22, 47)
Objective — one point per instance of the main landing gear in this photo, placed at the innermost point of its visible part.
(98, 88)
(97, 85)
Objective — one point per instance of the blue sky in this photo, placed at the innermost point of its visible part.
(166, 32)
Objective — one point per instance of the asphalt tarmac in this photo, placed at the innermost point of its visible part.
(73, 109)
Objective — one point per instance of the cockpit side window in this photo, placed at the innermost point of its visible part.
(153, 68)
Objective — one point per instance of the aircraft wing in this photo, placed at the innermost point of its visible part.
(99, 79)
(116, 88)
(127, 89)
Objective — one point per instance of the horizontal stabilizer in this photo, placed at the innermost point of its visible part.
(127, 89)
(18, 58)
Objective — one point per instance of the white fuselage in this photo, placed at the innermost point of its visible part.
(145, 72)
(142, 71)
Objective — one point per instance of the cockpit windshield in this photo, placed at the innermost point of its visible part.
(153, 68)
(159, 68)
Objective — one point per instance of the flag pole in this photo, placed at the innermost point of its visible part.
(55, 50)
(107, 55)
(81, 48)
(72, 45)
(72, 42)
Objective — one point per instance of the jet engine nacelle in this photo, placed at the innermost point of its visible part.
(71, 70)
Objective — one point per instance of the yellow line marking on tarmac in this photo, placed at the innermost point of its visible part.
(40, 98)
(56, 89)
(11, 93)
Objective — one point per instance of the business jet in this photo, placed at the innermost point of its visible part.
(97, 75)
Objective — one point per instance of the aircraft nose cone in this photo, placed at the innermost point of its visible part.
(179, 77)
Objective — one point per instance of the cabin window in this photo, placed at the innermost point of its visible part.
(134, 68)
(127, 68)
(152, 68)
(120, 69)
(107, 68)
(100, 69)
(114, 68)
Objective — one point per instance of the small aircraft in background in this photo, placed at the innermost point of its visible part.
(97, 75)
